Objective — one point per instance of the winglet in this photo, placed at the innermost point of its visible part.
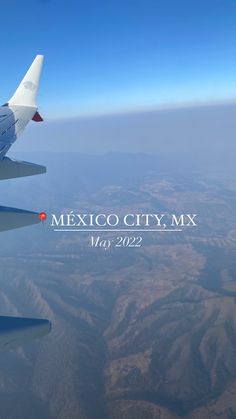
(26, 93)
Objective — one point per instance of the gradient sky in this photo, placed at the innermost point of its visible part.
(107, 56)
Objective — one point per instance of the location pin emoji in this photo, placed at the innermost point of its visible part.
(42, 216)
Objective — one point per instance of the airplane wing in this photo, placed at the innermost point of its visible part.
(10, 168)
(16, 331)
(11, 218)
(14, 116)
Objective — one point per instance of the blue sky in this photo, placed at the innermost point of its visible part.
(108, 56)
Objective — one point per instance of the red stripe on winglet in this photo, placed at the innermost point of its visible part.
(37, 117)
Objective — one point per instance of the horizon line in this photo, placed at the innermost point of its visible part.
(139, 110)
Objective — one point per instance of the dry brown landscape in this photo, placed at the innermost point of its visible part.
(137, 333)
